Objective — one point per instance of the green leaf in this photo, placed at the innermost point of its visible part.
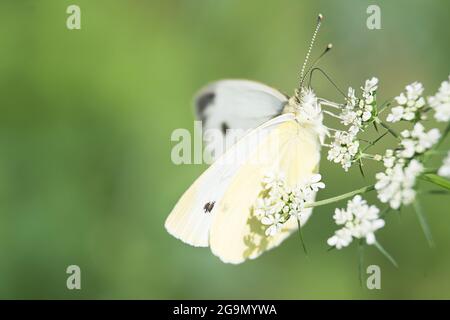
(437, 180)
(385, 211)
(360, 164)
(423, 222)
(375, 126)
(438, 192)
(385, 253)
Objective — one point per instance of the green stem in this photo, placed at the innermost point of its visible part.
(423, 222)
(375, 141)
(340, 197)
(301, 237)
(371, 156)
(391, 131)
(385, 253)
(385, 105)
(444, 135)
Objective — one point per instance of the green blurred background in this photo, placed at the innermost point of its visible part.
(85, 124)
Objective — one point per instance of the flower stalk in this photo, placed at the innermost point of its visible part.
(340, 197)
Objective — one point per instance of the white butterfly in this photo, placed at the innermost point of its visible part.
(218, 210)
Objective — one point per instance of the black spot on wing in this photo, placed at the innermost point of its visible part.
(209, 206)
(203, 101)
(224, 127)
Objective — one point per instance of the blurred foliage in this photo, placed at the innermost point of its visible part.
(85, 124)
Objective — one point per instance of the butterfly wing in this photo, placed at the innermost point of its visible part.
(191, 218)
(236, 234)
(236, 104)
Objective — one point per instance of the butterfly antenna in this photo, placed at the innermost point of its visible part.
(311, 44)
(314, 63)
(328, 78)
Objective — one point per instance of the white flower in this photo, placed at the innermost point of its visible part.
(440, 102)
(343, 149)
(396, 114)
(417, 141)
(370, 86)
(340, 239)
(389, 158)
(351, 98)
(414, 91)
(275, 223)
(278, 202)
(314, 183)
(410, 105)
(444, 170)
(360, 221)
(357, 112)
(273, 180)
(342, 216)
(396, 185)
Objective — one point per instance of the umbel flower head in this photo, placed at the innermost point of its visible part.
(356, 115)
(417, 141)
(410, 105)
(278, 202)
(396, 184)
(358, 220)
(343, 149)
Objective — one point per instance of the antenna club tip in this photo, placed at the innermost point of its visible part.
(320, 17)
(329, 46)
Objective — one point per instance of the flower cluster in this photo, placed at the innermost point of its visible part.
(343, 149)
(410, 104)
(444, 170)
(440, 102)
(358, 220)
(358, 112)
(417, 141)
(356, 115)
(278, 202)
(396, 185)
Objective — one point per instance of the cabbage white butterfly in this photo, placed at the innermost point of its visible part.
(218, 209)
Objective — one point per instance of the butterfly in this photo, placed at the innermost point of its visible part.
(284, 136)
